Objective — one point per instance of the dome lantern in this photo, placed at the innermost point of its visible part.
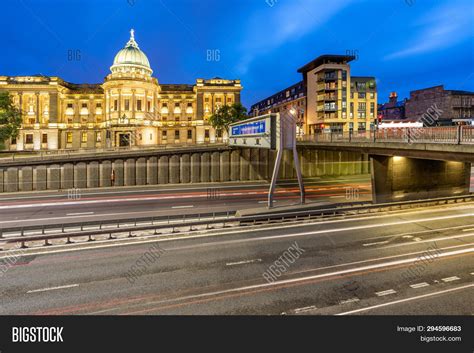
(131, 59)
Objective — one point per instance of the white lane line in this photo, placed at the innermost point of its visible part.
(187, 206)
(292, 280)
(419, 285)
(252, 193)
(79, 214)
(347, 301)
(405, 300)
(266, 201)
(468, 230)
(376, 243)
(336, 197)
(450, 279)
(52, 288)
(305, 309)
(243, 262)
(386, 292)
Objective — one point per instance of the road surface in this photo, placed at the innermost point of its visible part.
(416, 261)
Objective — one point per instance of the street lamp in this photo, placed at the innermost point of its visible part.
(296, 111)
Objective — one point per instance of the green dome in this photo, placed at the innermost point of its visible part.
(131, 58)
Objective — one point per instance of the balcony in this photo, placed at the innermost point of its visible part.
(330, 77)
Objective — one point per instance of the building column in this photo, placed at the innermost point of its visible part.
(119, 104)
(37, 107)
(133, 103)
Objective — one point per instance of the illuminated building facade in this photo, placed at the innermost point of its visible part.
(131, 108)
(328, 98)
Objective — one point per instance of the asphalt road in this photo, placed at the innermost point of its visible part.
(412, 262)
(28, 209)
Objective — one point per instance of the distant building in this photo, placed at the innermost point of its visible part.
(291, 100)
(328, 98)
(393, 110)
(436, 106)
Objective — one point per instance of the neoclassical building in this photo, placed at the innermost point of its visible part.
(131, 108)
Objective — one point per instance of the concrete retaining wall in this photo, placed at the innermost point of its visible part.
(202, 166)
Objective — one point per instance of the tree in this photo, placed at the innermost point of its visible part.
(226, 115)
(10, 118)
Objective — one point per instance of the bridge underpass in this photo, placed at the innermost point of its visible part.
(436, 164)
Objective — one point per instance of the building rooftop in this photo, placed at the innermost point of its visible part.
(280, 96)
(326, 59)
(177, 87)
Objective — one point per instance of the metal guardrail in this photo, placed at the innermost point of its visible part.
(337, 209)
(118, 224)
(456, 135)
(14, 155)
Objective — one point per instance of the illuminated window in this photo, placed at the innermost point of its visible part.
(84, 137)
(69, 137)
(98, 137)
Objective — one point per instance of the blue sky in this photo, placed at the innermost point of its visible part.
(405, 44)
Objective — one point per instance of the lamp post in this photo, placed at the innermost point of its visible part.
(296, 111)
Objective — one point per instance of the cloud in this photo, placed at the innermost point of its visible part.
(444, 27)
(282, 21)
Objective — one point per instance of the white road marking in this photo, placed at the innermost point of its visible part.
(187, 206)
(305, 309)
(295, 280)
(336, 197)
(433, 240)
(252, 193)
(419, 285)
(450, 279)
(386, 292)
(405, 300)
(347, 301)
(468, 230)
(243, 262)
(376, 243)
(52, 288)
(79, 214)
(266, 201)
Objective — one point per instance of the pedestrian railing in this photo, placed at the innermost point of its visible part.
(445, 135)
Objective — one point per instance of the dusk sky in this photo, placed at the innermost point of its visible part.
(406, 45)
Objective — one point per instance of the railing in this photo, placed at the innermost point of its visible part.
(12, 155)
(131, 228)
(446, 135)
